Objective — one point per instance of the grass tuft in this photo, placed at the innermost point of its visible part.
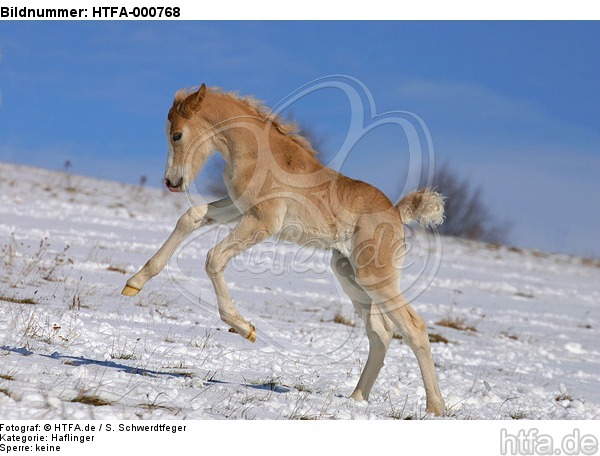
(520, 415)
(116, 269)
(436, 338)
(17, 300)
(538, 254)
(122, 356)
(522, 294)
(456, 323)
(563, 397)
(96, 401)
(342, 320)
(5, 392)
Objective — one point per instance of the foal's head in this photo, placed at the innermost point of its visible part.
(188, 149)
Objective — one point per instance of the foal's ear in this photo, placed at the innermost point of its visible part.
(191, 104)
(196, 98)
(200, 93)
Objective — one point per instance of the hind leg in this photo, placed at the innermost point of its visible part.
(379, 327)
(379, 334)
(376, 260)
(414, 331)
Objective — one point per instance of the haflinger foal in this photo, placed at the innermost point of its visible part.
(278, 188)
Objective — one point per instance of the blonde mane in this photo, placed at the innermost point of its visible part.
(290, 129)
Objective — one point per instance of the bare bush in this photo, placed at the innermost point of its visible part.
(467, 216)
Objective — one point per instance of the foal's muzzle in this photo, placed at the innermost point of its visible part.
(174, 187)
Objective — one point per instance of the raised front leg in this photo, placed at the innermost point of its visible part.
(250, 231)
(222, 211)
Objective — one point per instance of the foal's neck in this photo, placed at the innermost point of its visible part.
(240, 127)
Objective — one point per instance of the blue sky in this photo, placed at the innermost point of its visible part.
(514, 106)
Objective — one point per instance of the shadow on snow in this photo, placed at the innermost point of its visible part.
(81, 361)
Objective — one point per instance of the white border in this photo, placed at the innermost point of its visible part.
(437, 437)
(371, 10)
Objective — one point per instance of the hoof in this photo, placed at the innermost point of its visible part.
(436, 409)
(358, 396)
(251, 337)
(130, 291)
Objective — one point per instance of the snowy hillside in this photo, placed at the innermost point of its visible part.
(516, 333)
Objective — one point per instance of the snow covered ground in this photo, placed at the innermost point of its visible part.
(516, 332)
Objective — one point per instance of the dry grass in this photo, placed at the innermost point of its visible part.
(342, 320)
(150, 407)
(6, 377)
(456, 323)
(5, 392)
(520, 415)
(117, 269)
(170, 338)
(434, 338)
(124, 356)
(539, 254)
(24, 266)
(77, 302)
(17, 300)
(563, 397)
(522, 294)
(183, 374)
(591, 262)
(303, 388)
(96, 401)
(44, 330)
(122, 352)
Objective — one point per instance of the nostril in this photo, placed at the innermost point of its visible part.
(172, 185)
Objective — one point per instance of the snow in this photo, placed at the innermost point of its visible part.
(524, 345)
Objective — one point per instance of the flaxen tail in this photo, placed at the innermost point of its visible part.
(425, 206)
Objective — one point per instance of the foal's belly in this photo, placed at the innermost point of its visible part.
(316, 238)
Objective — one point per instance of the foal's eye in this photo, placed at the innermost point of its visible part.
(176, 136)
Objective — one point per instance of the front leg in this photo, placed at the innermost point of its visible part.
(250, 231)
(222, 211)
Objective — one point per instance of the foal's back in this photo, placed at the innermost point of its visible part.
(327, 207)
